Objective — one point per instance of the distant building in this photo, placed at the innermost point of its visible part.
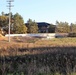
(44, 27)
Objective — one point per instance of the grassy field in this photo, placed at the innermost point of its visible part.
(37, 54)
(22, 41)
(42, 74)
(58, 42)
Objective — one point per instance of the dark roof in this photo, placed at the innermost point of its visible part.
(42, 24)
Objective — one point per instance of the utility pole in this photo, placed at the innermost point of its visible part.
(9, 6)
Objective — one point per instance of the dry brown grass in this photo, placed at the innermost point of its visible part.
(58, 42)
(56, 50)
(2, 37)
(16, 43)
(35, 42)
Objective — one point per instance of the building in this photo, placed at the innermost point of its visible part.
(45, 27)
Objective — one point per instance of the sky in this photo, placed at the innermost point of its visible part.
(48, 11)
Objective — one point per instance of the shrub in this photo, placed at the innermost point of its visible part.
(72, 35)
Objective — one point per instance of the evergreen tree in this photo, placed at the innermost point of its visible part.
(62, 27)
(32, 26)
(73, 28)
(51, 28)
(18, 25)
(3, 21)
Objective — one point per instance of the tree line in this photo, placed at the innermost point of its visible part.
(65, 27)
(19, 27)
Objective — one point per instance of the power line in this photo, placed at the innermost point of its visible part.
(9, 6)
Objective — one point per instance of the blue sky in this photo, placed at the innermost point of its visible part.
(43, 10)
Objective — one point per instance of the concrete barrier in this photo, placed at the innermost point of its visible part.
(42, 35)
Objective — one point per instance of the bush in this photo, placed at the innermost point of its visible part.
(72, 35)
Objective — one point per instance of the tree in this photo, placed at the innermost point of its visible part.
(18, 25)
(51, 28)
(32, 26)
(73, 28)
(3, 21)
(62, 27)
